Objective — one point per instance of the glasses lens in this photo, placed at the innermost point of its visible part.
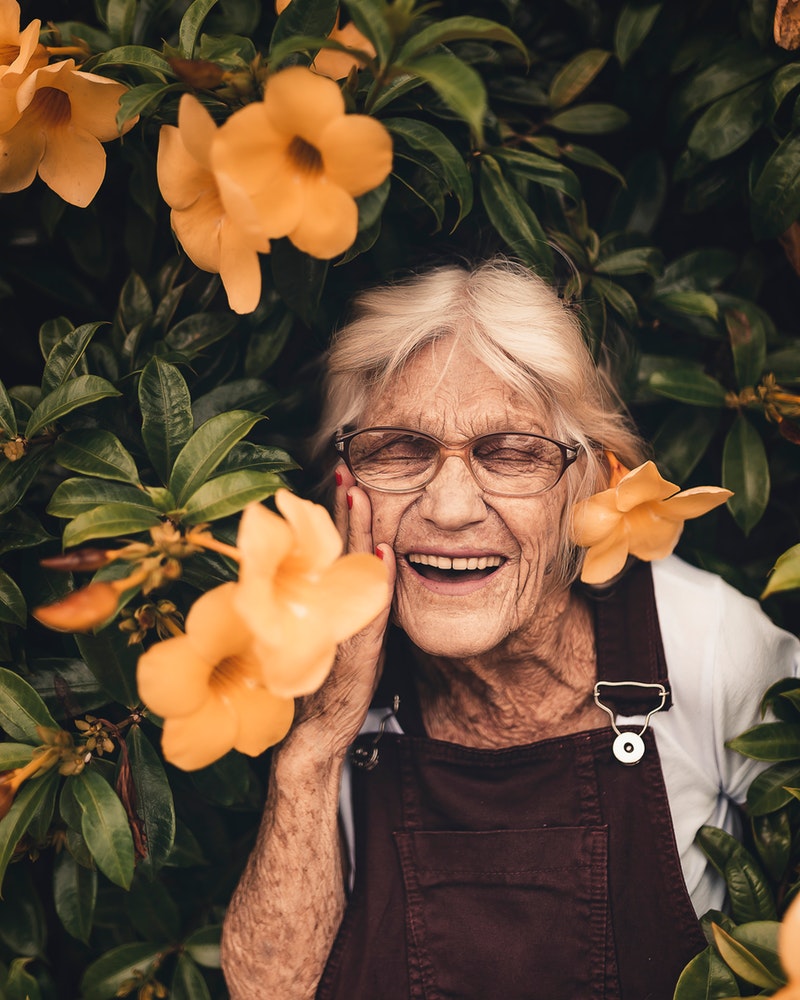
(516, 464)
(392, 459)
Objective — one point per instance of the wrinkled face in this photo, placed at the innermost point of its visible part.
(472, 569)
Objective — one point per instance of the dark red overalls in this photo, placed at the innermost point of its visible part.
(540, 872)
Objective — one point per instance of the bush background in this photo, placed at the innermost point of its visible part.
(647, 156)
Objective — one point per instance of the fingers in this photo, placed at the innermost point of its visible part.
(352, 513)
(344, 482)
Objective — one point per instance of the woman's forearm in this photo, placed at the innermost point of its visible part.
(286, 911)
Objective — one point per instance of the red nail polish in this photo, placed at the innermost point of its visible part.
(349, 502)
(379, 552)
(338, 476)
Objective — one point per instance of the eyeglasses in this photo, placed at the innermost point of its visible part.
(510, 464)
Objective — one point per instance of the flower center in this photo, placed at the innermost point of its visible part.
(306, 158)
(228, 673)
(51, 106)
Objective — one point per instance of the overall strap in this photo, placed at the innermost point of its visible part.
(629, 647)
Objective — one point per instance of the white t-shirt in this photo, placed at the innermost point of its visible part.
(722, 654)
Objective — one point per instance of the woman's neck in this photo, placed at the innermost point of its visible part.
(529, 688)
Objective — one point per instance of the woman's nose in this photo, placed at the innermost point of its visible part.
(453, 499)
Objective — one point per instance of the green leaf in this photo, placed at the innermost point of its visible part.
(51, 332)
(264, 458)
(635, 260)
(21, 709)
(22, 920)
(772, 836)
(21, 530)
(110, 520)
(154, 802)
(113, 663)
(206, 448)
(195, 333)
(706, 977)
(370, 19)
(96, 453)
(104, 826)
(17, 477)
(682, 440)
(691, 303)
(104, 977)
(749, 347)
(120, 15)
(589, 158)
(76, 392)
(229, 494)
(768, 791)
(77, 496)
(785, 574)
(748, 890)
(66, 355)
(575, 76)
(632, 27)
(621, 301)
(769, 741)
(239, 394)
(760, 937)
(299, 280)
(203, 946)
(74, 895)
(15, 755)
(513, 218)
(191, 22)
(21, 814)
(590, 119)
(783, 82)
(735, 65)
(727, 124)
(453, 29)
(743, 962)
(425, 138)
(188, 982)
(775, 202)
(21, 985)
(135, 55)
(166, 414)
(12, 604)
(152, 911)
(8, 419)
(457, 84)
(310, 19)
(745, 470)
(144, 99)
(540, 169)
(688, 384)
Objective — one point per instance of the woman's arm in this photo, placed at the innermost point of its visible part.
(287, 908)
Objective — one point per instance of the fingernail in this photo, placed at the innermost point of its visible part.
(379, 552)
(349, 502)
(338, 476)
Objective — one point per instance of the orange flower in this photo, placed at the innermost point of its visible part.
(84, 609)
(331, 62)
(789, 950)
(64, 117)
(641, 514)
(202, 225)
(295, 162)
(298, 595)
(20, 54)
(207, 686)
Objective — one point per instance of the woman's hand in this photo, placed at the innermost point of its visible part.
(333, 716)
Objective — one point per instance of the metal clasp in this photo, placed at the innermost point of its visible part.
(364, 753)
(628, 747)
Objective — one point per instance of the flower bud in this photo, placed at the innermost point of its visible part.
(200, 74)
(80, 559)
(80, 611)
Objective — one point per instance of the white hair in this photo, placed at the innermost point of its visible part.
(514, 323)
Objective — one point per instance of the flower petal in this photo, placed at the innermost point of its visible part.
(357, 153)
(198, 739)
(264, 540)
(300, 102)
(329, 222)
(214, 627)
(181, 179)
(603, 561)
(299, 667)
(239, 268)
(21, 152)
(651, 536)
(694, 502)
(9, 22)
(73, 165)
(263, 719)
(197, 129)
(595, 518)
(316, 541)
(644, 483)
(172, 678)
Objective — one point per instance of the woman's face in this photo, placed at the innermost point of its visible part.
(463, 612)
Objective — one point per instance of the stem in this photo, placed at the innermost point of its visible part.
(206, 541)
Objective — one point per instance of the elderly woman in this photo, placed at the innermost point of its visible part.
(502, 822)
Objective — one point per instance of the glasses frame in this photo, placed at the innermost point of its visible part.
(569, 454)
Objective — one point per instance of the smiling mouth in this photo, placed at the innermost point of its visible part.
(454, 568)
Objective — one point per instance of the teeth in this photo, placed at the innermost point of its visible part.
(460, 562)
